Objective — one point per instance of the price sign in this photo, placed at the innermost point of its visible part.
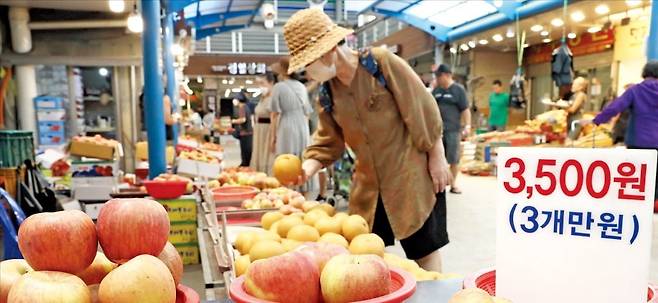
(574, 225)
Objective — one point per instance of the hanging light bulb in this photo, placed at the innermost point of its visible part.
(472, 44)
(594, 29)
(135, 22)
(544, 33)
(453, 50)
(484, 42)
(510, 33)
(116, 6)
(557, 22)
(464, 47)
(199, 79)
(571, 35)
(497, 37)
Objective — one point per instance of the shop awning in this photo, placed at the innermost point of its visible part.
(449, 20)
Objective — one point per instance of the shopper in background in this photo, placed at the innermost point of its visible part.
(169, 118)
(243, 127)
(453, 104)
(498, 107)
(394, 130)
(263, 157)
(642, 100)
(290, 109)
(577, 103)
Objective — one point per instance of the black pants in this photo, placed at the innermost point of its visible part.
(246, 143)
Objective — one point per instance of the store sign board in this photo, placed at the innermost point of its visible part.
(574, 225)
(583, 44)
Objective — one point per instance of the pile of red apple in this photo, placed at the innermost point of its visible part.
(318, 272)
(97, 139)
(62, 262)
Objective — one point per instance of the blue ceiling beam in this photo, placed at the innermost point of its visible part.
(372, 7)
(206, 32)
(438, 31)
(410, 5)
(228, 9)
(173, 6)
(527, 9)
(202, 20)
(256, 11)
(507, 8)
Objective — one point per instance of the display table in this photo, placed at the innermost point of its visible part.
(426, 292)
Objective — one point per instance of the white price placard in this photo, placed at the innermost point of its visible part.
(574, 225)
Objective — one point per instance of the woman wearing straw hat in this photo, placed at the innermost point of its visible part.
(374, 102)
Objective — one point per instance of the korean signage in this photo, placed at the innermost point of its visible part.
(574, 225)
(241, 68)
(583, 44)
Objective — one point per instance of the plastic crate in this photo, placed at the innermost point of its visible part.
(51, 126)
(189, 252)
(183, 232)
(48, 102)
(51, 115)
(52, 138)
(16, 146)
(182, 209)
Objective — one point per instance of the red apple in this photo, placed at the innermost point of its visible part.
(170, 257)
(287, 169)
(98, 269)
(60, 241)
(290, 278)
(93, 291)
(49, 287)
(144, 279)
(321, 252)
(349, 278)
(10, 272)
(131, 227)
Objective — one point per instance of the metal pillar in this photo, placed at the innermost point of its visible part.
(155, 125)
(652, 42)
(26, 80)
(168, 59)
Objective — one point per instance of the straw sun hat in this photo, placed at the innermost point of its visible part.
(310, 34)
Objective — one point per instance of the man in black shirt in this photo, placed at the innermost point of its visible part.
(453, 104)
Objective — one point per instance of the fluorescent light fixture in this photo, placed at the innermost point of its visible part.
(484, 41)
(577, 16)
(472, 44)
(199, 79)
(248, 81)
(547, 40)
(464, 47)
(537, 28)
(103, 71)
(594, 29)
(571, 35)
(116, 6)
(602, 9)
(509, 33)
(453, 50)
(633, 3)
(544, 33)
(224, 81)
(497, 37)
(557, 22)
(227, 93)
(176, 49)
(236, 90)
(135, 23)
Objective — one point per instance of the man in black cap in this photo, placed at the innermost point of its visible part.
(453, 104)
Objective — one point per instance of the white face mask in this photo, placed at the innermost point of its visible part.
(320, 72)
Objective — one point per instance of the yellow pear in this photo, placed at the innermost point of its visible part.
(326, 207)
(270, 218)
(245, 240)
(313, 216)
(334, 238)
(266, 249)
(290, 245)
(241, 265)
(328, 225)
(367, 244)
(287, 223)
(303, 233)
(353, 226)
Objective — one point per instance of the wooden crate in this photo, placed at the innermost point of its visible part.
(9, 179)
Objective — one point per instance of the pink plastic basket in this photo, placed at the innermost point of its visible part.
(185, 294)
(165, 189)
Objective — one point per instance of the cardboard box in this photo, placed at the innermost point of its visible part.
(181, 209)
(183, 232)
(93, 150)
(198, 169)
(189, 252)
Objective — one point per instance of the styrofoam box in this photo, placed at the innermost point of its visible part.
(51, 115)
(92, 209)
(198, 168)
(49, 102)
(93, 193)
(93, 181)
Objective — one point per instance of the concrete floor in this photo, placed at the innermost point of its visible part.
(471, 225)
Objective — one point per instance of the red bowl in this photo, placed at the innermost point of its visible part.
(185, 294)
(403, 286)
(234, 193)
(165, 189)
(486, 280)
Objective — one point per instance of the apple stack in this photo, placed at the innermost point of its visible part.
(62, 262)
(182, 213)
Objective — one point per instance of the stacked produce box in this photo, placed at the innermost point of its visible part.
(51, 121)
(182, 213)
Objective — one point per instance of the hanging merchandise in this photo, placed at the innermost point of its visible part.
(517, 92)
(562, 62)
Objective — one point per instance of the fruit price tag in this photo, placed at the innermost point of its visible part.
(574, 225)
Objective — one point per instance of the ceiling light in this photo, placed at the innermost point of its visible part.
(633, 2)
(103, 71)
(497, 37)
(594, 29)
(227, 93)
(453, 50)
(248, 81)
(199, 79)
(484, 41)
(472, 44)
(536, 28)
(176, 49)
(557, 22)
(571, 35)
(547, 40)
(602, 9)
(116, 6)
(135, 23)
(464, 47)
(509, 34)
(577, 16)
(224, 81)
(544, 33)
(236, 90)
